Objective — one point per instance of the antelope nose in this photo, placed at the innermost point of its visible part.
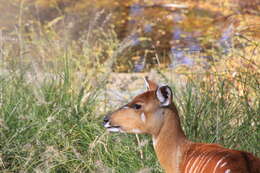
(105, 120)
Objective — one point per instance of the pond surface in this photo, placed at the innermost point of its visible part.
(181, 33)
(161, 34)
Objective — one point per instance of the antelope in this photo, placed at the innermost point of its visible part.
(153, 112)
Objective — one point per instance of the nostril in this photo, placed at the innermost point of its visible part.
(105, 120)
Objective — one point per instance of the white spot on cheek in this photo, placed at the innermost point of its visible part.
(136, 131)
(228, 171)
(143, 118)
(220, 162)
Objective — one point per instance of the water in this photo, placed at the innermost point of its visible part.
(171, 35)
(184, 44)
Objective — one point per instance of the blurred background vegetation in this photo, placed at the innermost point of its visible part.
(65, 63)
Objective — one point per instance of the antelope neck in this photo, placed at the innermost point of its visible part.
(170, 141)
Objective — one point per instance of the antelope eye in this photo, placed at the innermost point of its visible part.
(136, 106)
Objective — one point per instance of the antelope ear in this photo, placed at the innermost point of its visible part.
(164, 95)
(150, 85)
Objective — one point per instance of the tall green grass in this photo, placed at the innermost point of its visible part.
(214, 115)
(49, 128)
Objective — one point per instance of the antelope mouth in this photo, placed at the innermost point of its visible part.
(114, 129)
(111, 128)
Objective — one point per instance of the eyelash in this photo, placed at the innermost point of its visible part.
(136, 106)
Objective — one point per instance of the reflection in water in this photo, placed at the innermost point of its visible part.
(147, 32)
(226, 39)
(139, 66)
(184, 45)
(178, 57)
(177, 17)
(148, 28)
(134, 39)
(178, 53)
(136, 10)
(176, 33)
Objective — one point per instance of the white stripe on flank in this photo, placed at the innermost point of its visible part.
(219, 162)
(188, 164)
(209, 159)
(201, 162)
(223, 164)
(195, 165)
(228, 171)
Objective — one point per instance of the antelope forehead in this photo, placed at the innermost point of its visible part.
(145, 96)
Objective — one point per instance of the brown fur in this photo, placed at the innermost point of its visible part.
(175, 152)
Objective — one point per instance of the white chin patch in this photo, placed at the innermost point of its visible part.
(114, 129)
(136, 131)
